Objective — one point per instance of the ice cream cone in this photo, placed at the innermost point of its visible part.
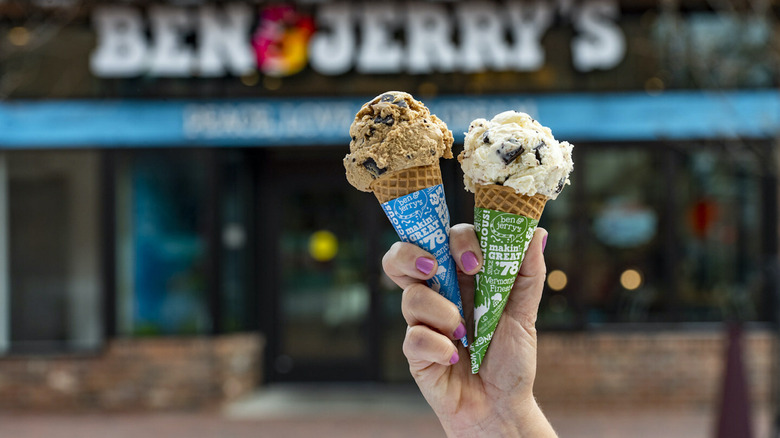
(505, 222)
(413, 200)
(393, 185)
(501, 198)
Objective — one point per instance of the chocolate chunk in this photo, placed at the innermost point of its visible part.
(509, 152)
(536, 151)
(485, 138)
(401, 104)
(372, 168)
(389, 97)
(560, 185)
(354, 138)
(386, 120)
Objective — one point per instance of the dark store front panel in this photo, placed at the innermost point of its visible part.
(649, 47)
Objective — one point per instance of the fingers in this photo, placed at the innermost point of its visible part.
(434, 322)
(533, 263)
(423, 346)
(527, 291)
(464, 247)
(421, 305)
(408, 264)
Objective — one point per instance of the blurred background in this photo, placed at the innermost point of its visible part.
(176, 231)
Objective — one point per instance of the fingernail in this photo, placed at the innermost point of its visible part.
(460, 331)
(424, 265)
(455, 358)
(544, 242)
(469, 260)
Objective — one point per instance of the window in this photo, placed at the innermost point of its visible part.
(161, 245)
(50, 293)
(661, 233)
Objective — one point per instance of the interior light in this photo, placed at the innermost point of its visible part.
(19, 36)
(557, 280)
(631, 279)
(323, 246)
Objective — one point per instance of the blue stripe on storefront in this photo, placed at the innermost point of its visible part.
(321, 121)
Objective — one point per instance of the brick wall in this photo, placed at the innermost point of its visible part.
(648, 369)
(136, 374)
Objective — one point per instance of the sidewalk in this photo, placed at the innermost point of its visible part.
(345, 411)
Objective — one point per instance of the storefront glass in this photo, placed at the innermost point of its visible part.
(624, 235)
(675, 233)
(50, 278)
(237, 242)
(720, 270)
(560, 303)
(161, 284)
(325, 298)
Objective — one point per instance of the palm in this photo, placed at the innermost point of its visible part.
(508, 369)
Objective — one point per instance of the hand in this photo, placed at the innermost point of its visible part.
(499, 400)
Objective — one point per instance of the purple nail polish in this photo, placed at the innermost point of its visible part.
(455, 358)
(469, 260)
(424, 265)
(544, 242)
(460, 331)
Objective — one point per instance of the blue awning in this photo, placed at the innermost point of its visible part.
(685, 115)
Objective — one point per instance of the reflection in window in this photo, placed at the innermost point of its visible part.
(325, 297)
(161, 280)
(558, 307)
(624, 208)
(720, 228)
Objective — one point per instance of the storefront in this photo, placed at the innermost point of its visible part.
(171, 173)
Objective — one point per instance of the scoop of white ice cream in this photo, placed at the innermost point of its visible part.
(515, 150)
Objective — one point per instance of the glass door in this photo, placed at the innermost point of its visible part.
(324, 305)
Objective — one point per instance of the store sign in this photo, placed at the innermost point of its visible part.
(335, 38)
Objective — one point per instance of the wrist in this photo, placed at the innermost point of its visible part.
(523, 420)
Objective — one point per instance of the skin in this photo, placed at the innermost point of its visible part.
(499, 400)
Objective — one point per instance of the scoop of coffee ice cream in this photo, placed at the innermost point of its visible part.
(393, 132)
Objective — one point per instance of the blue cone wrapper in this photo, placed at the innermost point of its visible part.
(422, 218)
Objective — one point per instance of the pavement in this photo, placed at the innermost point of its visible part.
(347, 411)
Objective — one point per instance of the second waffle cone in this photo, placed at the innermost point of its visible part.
(502, 198)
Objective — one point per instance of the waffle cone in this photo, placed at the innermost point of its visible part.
(393, 185)
(502, 198)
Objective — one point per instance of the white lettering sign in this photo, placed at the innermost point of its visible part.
(370, 38)
(123, 49)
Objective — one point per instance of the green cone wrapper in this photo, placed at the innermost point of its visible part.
(504, 239)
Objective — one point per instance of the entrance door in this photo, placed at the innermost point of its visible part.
(325, 319)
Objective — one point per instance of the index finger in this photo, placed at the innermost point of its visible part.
(406, 264)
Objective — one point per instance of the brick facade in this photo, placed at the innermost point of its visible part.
(665, 368)
(635, 369)
(136, 374)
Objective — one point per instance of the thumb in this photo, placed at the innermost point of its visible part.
(527, 291)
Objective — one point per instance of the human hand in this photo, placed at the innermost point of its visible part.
(499, 400)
